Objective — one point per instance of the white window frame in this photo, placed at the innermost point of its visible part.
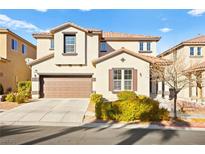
(200, 51)
(190, 51)
(141, 44)
(51, 44)
(69, 44)
(122, 80)
(149, 45)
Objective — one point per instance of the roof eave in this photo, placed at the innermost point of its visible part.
(131, 39)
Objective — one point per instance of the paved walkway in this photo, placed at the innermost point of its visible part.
(47, 112)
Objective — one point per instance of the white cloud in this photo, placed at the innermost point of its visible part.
(165, 30)
(42, 10)
(196, 12)
(85, 9)
(10, 23)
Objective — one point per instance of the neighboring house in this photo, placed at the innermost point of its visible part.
(14, 50)
(192, 53)
(73, 62)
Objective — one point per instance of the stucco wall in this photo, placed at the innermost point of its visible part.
(50, 67)
(130, 45)
(183, 54)
(81, 50)
(3, 38)
(43, 47)
(102, 76)
(16, 68)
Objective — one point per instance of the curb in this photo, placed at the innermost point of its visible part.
(101, 125)
(140, 126)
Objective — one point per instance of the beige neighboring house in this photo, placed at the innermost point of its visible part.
(192, 53)
(14, 51)
(73, 62)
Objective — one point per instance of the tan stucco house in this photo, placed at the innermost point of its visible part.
(73, 62)
(192, 55)
(14, 51)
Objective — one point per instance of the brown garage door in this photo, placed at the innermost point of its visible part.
(65, 86)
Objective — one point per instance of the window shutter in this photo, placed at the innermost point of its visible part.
(134, 80)
(110, 80)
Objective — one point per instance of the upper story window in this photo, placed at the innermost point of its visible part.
(199, 53)
(103, 47)
(24, 49)
(51, 43)
(141, 46)
(191, 51)
(148, 46)
(14, 45)
(69, 43)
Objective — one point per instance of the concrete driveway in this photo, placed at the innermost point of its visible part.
(47, 112)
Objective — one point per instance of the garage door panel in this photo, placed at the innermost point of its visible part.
(66, 87)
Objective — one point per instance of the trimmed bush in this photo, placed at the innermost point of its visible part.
(1, 89)
(96, 98)
(10, 97)
(25, 87)
(142, 108)
(126, 95)
(127, 110)
(21, 97)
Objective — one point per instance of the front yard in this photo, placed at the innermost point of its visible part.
(108, 113)
(8, 105)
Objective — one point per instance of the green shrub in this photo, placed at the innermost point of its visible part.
(149, 110)
(25, 86)
(10, 97)
(127, 110)
(126, 95)
(1, 89)
(96, 98)
(21, 97)
(163, 114)
(142, 108)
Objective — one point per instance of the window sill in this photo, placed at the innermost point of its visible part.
(195, 56)
(117, 91)
(69, 54)
(142, 51)
(51, 49)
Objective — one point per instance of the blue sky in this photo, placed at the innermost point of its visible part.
(173, 26)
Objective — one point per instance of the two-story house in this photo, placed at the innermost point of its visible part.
(191, 54)
(14, 50)
(73, 62)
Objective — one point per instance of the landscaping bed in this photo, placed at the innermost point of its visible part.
(8, 105)
(128, 108)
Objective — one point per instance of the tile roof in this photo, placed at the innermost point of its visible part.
(43, 58)
(196, 67)
(198, 39)
(105, 35)
(194, 41)
(150, 59)
(117, 35)
(53, 30)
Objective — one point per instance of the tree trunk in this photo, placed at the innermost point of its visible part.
(175, 105)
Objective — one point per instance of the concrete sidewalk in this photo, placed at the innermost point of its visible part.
(45, 112)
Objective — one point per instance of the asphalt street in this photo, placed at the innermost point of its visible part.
(29, 135)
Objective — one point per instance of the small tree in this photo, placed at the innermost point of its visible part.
(174, 75)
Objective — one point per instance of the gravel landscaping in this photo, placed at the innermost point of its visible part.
(8, 105)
